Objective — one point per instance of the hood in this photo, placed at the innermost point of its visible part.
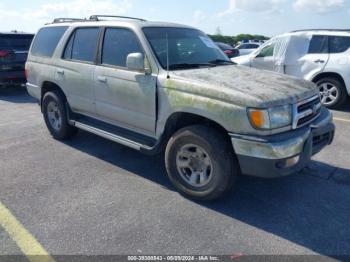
(243, 85)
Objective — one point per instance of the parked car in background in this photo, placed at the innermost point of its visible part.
(320, 56)
(161, 87)
(14, 48)
(228, 49)
(247, 48)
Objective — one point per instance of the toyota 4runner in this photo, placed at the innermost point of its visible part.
(161, 87)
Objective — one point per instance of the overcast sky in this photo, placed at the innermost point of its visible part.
(269, 17)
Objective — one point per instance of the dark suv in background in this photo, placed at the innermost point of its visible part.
(14, 48)
(230, 51)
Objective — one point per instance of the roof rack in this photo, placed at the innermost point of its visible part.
(97, 17)
(92, 18)
(320, 29)
(68, 20)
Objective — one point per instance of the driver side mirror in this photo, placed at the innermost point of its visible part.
(136, 62)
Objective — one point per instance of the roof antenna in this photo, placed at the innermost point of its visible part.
(167, 56)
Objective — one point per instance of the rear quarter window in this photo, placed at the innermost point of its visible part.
(46, 40)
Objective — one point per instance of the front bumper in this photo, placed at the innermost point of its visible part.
(267, 156)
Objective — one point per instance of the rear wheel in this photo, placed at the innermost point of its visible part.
(55, 115)
(333, 92)
(201, 163)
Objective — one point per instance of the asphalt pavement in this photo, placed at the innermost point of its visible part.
(90, 196)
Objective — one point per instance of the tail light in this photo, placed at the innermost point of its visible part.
(26, 73)
(228, 52)
(4, 53)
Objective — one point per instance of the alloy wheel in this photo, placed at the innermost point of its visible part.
(329, 93)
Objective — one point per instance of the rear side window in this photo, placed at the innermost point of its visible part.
(318, 45)
(15, 42)
(46, 40)
(338, 44)
(82, 45)
(117, 45)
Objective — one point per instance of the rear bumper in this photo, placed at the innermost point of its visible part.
(283, 154)
(34, 91)
(10, 78)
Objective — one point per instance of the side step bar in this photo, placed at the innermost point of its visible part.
(110, 136)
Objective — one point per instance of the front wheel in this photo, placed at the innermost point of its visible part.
(201, 163)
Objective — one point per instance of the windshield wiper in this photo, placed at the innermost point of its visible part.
(222, 62)
(188, 65)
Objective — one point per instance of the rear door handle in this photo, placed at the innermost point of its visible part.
(102, 79)
(319, 61)
(60, 71)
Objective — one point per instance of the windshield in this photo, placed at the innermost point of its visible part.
(188, 48)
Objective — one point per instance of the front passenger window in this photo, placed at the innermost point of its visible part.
(267, 51)
(117, 45)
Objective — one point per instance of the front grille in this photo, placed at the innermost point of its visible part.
(306, 111)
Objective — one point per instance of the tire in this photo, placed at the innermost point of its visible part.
(219, 173)
(340, 93)
(54, 109)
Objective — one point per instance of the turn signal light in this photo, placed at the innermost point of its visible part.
(290, 162)
(258, 118)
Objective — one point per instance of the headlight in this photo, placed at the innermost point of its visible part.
(271, 118)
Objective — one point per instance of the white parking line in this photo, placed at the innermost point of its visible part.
(341, 119)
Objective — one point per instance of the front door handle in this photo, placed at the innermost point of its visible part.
(102, 79)
(319, 61)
